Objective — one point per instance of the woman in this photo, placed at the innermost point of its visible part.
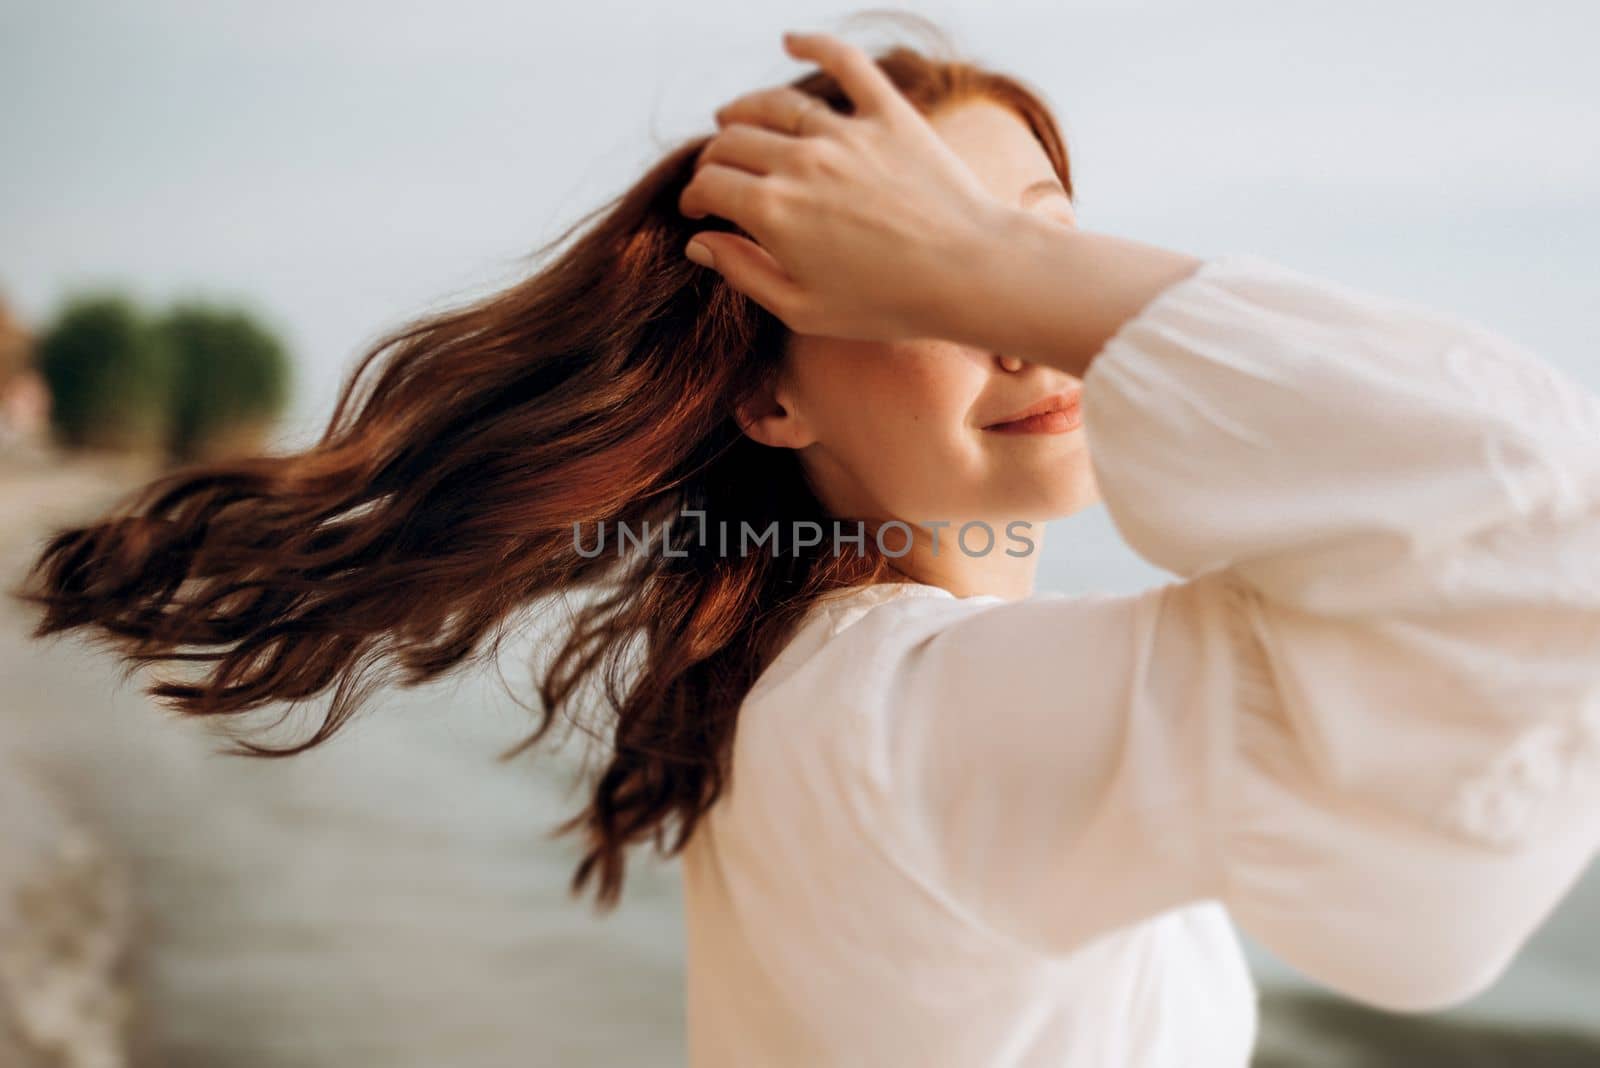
(925, 816)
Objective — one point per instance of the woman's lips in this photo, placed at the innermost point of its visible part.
(1058, 417)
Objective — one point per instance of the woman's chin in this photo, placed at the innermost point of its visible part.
(1056, 501)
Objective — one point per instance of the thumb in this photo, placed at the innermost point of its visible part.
(747, 267)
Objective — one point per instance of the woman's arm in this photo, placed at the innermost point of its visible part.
(1369, 717)
(1029, 287)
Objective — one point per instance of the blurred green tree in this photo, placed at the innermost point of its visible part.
(110, 375)
(231, 379)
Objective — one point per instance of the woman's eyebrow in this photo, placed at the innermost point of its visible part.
(1040, 188)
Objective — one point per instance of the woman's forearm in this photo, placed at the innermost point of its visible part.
(1033, 288)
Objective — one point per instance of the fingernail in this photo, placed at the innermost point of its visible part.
(700, 254)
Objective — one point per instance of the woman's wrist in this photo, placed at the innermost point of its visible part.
(1031, 287)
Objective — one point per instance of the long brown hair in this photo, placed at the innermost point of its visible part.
(464, 454)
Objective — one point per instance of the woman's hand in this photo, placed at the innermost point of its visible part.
(862, 222)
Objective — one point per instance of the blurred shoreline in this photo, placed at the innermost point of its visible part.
(40, 488)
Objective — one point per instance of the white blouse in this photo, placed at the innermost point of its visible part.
(1364, 723)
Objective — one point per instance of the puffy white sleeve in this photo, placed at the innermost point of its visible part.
(1365, 715)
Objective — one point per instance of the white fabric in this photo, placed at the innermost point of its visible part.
(1363, 721)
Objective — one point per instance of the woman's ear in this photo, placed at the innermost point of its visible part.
(770, 416)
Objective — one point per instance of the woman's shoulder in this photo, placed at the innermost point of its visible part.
(851, 648)
(855, 625)
(811, 712)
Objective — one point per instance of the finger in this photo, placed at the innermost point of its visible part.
(718, 190)
(751, 270)
(777, 108)
(750, 148)
(862, 80)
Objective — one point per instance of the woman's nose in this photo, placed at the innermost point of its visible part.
(1009, 363)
